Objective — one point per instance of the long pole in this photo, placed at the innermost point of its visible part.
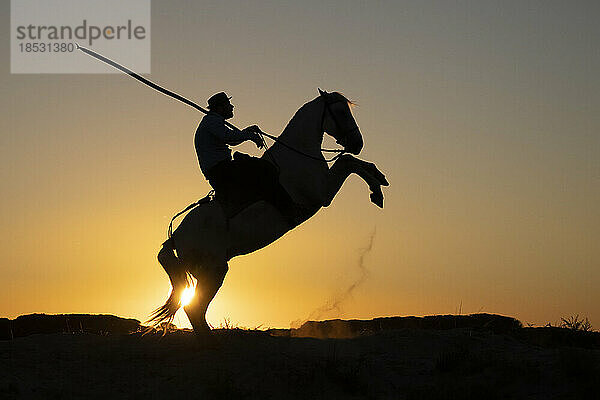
(145, 81)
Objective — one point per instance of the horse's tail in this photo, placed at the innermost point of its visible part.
(180, 279)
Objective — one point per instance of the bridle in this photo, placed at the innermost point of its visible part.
(327, 109)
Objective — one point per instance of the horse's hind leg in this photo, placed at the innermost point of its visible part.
(210, 278)
(176, 271)
(171, 264)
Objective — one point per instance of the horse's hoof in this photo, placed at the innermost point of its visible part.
(377, 198)
(378, 175)
(381, 178)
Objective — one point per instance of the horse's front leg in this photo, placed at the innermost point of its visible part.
(346, 165)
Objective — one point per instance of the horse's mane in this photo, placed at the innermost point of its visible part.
(301, 110)
(342, 97)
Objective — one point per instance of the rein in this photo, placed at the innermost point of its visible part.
(276, 139)
(190, 103)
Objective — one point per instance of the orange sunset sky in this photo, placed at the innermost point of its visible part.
(483, 115)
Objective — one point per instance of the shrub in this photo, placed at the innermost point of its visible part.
(576, 324)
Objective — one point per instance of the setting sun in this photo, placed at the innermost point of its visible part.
(188, 294)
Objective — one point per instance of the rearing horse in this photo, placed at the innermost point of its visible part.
(205, 240)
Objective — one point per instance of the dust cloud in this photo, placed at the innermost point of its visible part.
(334, 305)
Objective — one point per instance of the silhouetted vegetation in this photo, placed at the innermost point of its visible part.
(575, 323)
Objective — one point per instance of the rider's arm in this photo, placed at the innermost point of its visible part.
(228, 135)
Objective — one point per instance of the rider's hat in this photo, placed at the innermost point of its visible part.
(218, 99)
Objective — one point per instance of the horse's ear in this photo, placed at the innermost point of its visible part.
(321, 92)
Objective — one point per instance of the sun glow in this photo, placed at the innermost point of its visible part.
(188, 293)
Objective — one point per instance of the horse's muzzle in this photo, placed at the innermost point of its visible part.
(354, 142)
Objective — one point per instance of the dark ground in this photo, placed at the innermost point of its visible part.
(482, 361)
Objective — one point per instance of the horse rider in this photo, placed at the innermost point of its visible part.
(241, 176)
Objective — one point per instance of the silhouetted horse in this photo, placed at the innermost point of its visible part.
(206, 240)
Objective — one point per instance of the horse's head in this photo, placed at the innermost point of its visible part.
(339, 122)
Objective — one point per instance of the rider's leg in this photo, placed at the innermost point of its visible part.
(220, 177)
